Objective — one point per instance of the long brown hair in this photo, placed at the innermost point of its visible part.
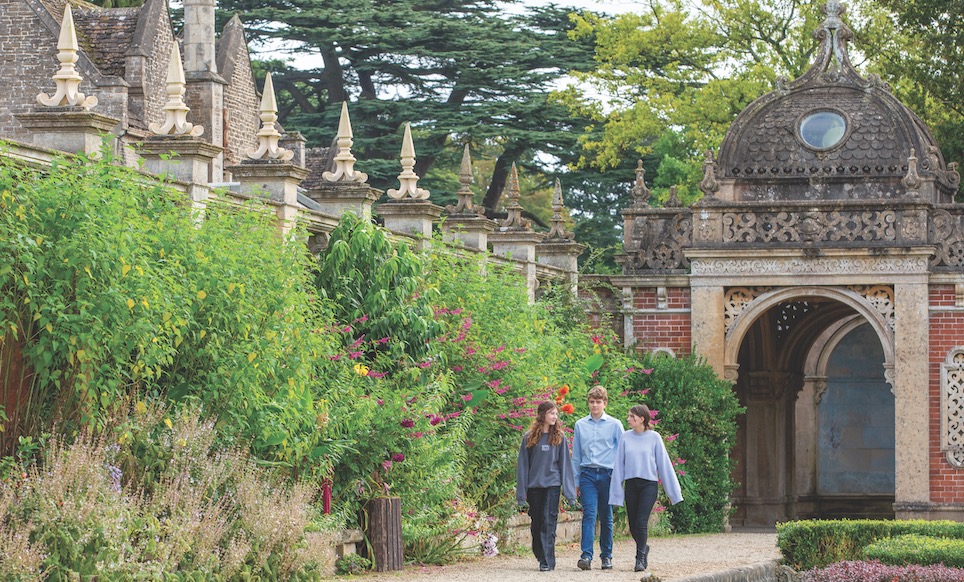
(642, 411)
(535, 429)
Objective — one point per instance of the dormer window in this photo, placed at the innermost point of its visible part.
(822, 130)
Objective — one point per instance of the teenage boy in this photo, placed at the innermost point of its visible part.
(593, 456)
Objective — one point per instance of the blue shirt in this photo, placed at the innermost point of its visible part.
(594, 443)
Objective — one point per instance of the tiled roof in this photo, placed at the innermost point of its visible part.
(316, 161)
(105, 35)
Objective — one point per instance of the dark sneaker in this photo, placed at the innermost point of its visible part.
(584, 563)
(607, 563)
(544, 567)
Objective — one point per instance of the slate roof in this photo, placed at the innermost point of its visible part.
(106, 35)
(317, 160)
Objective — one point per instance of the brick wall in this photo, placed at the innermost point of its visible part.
(946, 333)
(662, 326)
(29, 56)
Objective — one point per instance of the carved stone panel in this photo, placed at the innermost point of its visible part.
(952, 407)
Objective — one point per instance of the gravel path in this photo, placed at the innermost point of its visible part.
(670, 558)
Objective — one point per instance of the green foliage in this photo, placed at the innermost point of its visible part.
(352, 564)
(917, 549)
(373, 284)
(112, 287)
(811, 544)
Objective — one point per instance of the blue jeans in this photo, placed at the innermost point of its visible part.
(594, 496)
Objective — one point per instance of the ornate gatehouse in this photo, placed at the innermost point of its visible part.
(823, 274)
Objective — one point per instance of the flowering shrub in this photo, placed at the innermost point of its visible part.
(858, 571)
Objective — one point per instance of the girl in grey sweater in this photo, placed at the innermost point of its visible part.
(544, 467)
(642, 462)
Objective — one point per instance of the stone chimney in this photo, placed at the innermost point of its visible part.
(205, 87)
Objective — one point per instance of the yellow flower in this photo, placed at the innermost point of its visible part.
(168, 423)
(361, 369)
(201, 294)
(140, 408)
(130, 304)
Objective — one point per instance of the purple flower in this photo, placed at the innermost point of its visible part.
(408, 423)
(398, 457)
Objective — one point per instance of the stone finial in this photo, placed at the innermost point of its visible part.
(67, 78)
(673, 201)
(269, 135)
(558, 229)
(639, 190)
(408, 179)
(175, 111)
(709, 185)
(952, 176)
(464, 205)
(514, 220)
(912, 180)
(344, 160)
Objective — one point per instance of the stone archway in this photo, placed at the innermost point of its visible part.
(778, 343)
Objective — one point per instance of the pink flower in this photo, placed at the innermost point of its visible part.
(518, 401)
(346, 329)
(467, 323)
(384, 340)
(424, 365)
(381, 402)
(520, 350)
(483, 369)
(435, 420)
(672, 437)
(417, 435)
(680, 461)
(354, 355)
(358, 341)
(452, 415)
(375, 374)
(387, 465)
(647, 371)
(361, 319)
(467, 397)
(457, 368)
(500, 365)
(456, 311)
(498, 350)
(596, 339)
(501, 391)
(681, 472)
(469, 351)
(335, 358)
(398, 457)
(408, 423)
(493, 383)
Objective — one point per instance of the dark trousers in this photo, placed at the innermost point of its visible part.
(640, 498)
(544, 511)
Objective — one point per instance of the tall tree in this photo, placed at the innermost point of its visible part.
(459, 70)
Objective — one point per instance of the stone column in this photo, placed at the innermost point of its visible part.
(562, 254)
(276, 180)
(205, 95)
(706, 325)
(470, 230)
(337, 198)
(911, 394)
(69, 129)
(182, 158)
(520, 246)
(411, 217)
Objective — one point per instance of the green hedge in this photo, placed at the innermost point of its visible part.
(810, 544)
(917, 549)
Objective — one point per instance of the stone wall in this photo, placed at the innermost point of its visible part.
(158, 47)
(241, 101)
(29, 55)
(946, 333)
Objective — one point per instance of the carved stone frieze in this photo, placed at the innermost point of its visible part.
(947, 236)
(658, 241)
(882, 298)
(736, 299)
(952, 407)
(810, 226)
(809, 266)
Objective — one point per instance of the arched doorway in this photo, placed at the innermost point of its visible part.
(812, 366)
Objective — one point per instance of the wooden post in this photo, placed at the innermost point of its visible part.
(384, 532)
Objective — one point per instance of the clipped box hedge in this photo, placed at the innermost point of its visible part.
(815, 543)
(917, 549)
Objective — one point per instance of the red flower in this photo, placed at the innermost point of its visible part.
(568, 408)
(564, 390)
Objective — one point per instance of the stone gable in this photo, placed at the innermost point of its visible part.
(241, 100)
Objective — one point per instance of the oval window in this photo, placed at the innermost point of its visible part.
(823, 129)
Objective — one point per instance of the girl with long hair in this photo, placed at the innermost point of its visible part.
(544, 468)
(642, 462)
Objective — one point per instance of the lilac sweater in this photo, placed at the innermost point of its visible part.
(643, 455)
